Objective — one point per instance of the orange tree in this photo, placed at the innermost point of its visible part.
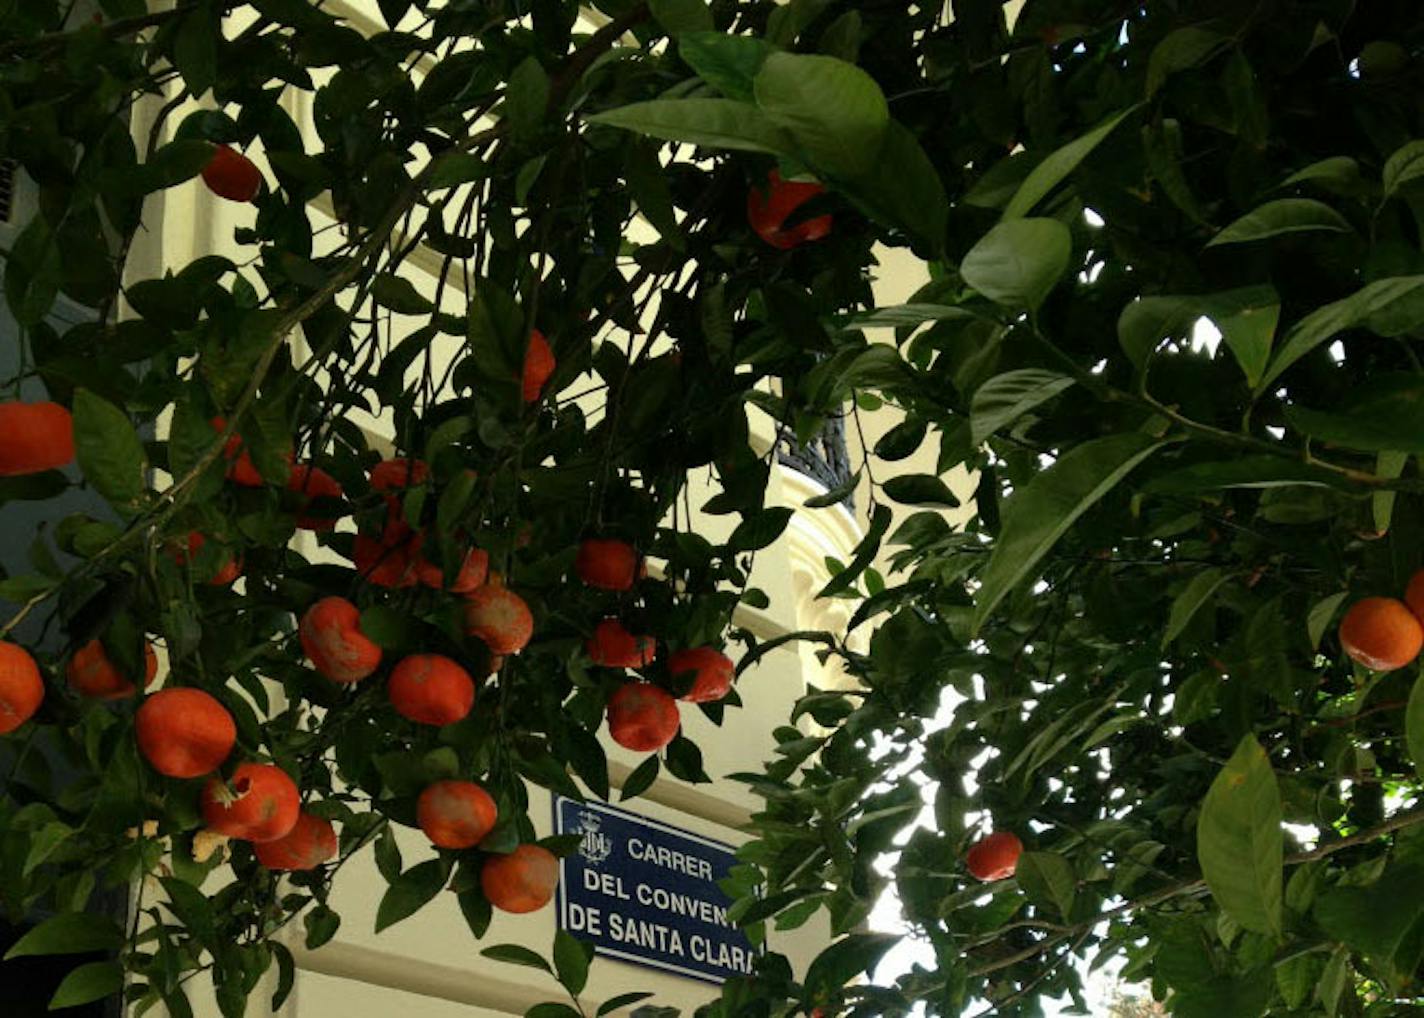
(1137, 623)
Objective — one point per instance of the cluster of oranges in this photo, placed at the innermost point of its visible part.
(1384, 633)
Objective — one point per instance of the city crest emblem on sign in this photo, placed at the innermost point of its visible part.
(595, 846)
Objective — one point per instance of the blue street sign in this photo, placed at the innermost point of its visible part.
(646, 892)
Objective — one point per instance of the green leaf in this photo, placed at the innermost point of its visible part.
(1324, 323)
(713, 123)
(844, 960)
(920, 489)
(1243, 472)
(1414, 724)
(410, 892)
(1383, 414)
(1018, 262)
(904, 316)
(195, 50)
(902, 189)
(678, 16)
(34, 270)
(1181, 49)
(621, 1001)
(648, 183)
(641, 779)
(1005, 398)
(760, 529)
(1333, 980)
(1053, 170)
(553, 1009)
(476, 910)
(87, 983)
(1239, 842)
(1321, 614)
(1203, 585)
(1147, 321)
(834, 111)
(286, 974)
(1043, 511)
(322, 924)
(1335, 173)
(571, 958)
(1389, 464)
(1405, 165)
(1247, 319)
(836, 495)
(400, 295)
(108, 449)
(1378, 918)
(455, 168)
(1048, 880)
(902, 440)
(729, 63)
(527, 97)
(865, 553)
(1284, 215)
(515, 954)
(69, 933)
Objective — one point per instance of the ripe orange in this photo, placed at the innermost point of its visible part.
(231, 175)
(1381, 633)
(34, 437)
(230, 570)
(768, 211)
(712, 672)
(21, 688)
(332, 639)
(539, 364)
(522, 881)
(305, 847)
(313, 483)
(642, 717)
(395, 474)
(241, 470)
(184, 733)
(995, 857)
(260, 803)
(431, 690)
(391, 561)
(455, 814)
(474, 572)
(607, 564)
(612, 646)
(92, 674)
(1414, 595)
(499, 617)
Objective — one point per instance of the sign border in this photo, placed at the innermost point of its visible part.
(563, 920)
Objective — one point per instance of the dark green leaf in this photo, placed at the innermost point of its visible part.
(571, 958)
(1049, 173)
(678, 16)
(726, 62)
(1284, 215)
(713, 123)
(1005, 398)
(527, 97)
(920, 489)
(833, 110)
(641, 779)
(69, 933)
(515, 954)
(108, 449)
(410, 892)
(94, 981)
(844, 960)
(1018, 262)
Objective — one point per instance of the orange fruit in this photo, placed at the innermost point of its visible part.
(767, 212)
(305, 847)
(455, 814)
(474, 572)
(21, 688)
(642, 717)
(712, 673)
(1414, 595)
(241, 470)
(607, 564)
(395, 474)
(34, 437)
(995, 857)
(522, 881)
(539, 364)
(313, 483)
(91, 673)
(260, 803)
(230, 570)
(184, 733)
(332, 639)
(392, 561)
(431, 690)
(499, 617)
(612, 646)
(1381, 633)
(231, 175)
